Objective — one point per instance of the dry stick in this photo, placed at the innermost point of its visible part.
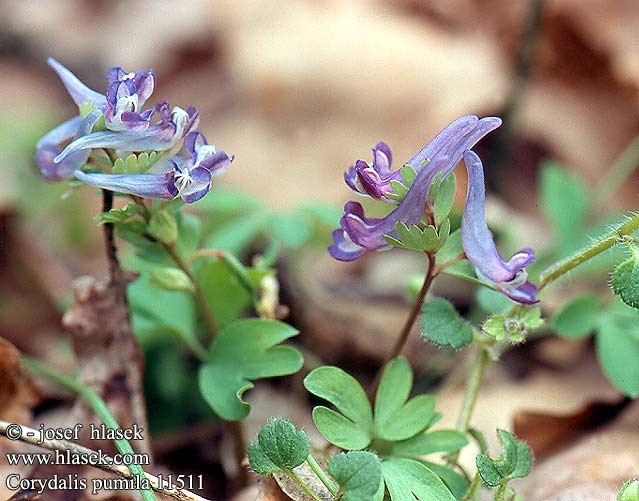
(31, 436)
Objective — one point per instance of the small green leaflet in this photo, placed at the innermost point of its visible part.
(444, 199)
(119, 215)
(396, 417)
(577, 318)
(410, 480)
(625, 278)
(564, 200)
(514, 462)
(629, 491)
(243, 351)
(279, 447)
(399, 425)
(352, 428)
(359, 475)
(442, 325)
(135, 164)
(617, 344)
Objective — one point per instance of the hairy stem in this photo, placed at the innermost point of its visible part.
(198, 293)
(472, 389)
(431, 273)
(417, 308)
(97, 405)
(31, 436)
(322, 475)
(554, 271)
(470, 493)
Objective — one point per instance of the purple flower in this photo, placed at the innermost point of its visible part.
(359, 234)
(188, 177)
(49, 147)
(509, 277)
(124, 99)
(175, 125)
(375, 180)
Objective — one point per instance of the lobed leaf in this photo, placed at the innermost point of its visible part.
(359, 475)
(280, 447)
(243, 351)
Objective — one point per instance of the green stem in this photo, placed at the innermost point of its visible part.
(472, 389)
(198, 293)
(554, 271)
(322, 475)
(431, 273)
(302, 485)
(97, 405)
(619, 172)
(470, 493)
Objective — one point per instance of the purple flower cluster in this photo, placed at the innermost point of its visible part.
(129, 128)
(359, 234)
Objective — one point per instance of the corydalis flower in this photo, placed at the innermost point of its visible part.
(124, 98)
(375, 179)
(49, 147)
(175, 125)
(509, 277)
(188, 177)
(359, 234)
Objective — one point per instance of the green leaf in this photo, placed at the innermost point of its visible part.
(488, 471)
(292, 229)
(163, 227)
(154, 310)
(577, 318)
(119, 215)
(429, 443)
(617, 344)
(455, 482)
(279, 447)
(237, 235)
(442, 325)
(171, 279)
(445, 199)
(352, 428)
(409, 480)
(495, 326)
(629, 491)
(395, 417)
(625, 278)
(400, 189)
(514, 462)
(358, 473)
(225, 293)
(243, 351)
(564, 201)
(408, 175)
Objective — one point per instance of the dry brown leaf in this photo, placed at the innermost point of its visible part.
(592, 470)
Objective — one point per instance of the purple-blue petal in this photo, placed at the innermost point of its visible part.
(200, 185)
(79, 92)
(62, 132)
(47, 150)
(344, 248)
(142, 185)
(218, 163)
(479, 246)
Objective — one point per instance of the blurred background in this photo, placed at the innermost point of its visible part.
(298, 91)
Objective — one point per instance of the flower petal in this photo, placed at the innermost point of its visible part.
(479, 246)
(79, 92)
(47, 151)
(344, 248)
(142, 185)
